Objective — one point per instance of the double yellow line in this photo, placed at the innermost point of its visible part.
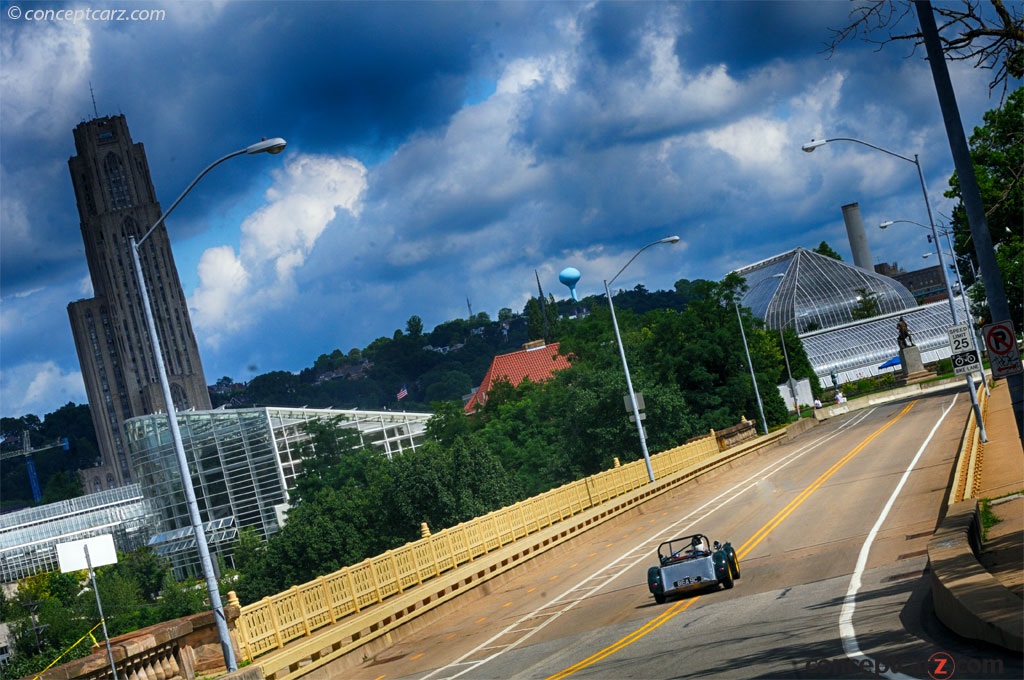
(744, 550)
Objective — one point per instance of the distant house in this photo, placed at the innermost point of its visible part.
(535, 361)
(355, 372)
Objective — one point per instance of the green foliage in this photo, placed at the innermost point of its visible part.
(56, 468)
(63, 485)
(361, 504)
(181, 598)
(146, 568)
(414, 326)
(997, 152)
(826, 250)
(867, 304)
(536, 328)
(49, 612)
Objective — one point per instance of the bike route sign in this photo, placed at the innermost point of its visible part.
(1003, 355)
(964, 354)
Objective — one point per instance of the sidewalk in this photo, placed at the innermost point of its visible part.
(1002, 477)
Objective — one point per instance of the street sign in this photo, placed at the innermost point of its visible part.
(961, 339)
(966, 362)
(71, 556)
(1003, 355)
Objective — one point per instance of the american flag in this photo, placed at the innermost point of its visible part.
(402, 393)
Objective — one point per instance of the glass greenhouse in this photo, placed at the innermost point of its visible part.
(817, 295)
(29, 538)
(243, 462)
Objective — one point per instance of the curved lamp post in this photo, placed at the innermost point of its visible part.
(982, 435)
(785, 354)
(814, 144)
(945, 232)
(967, 308)
(750, 363)
(622, 353)
(273, 146)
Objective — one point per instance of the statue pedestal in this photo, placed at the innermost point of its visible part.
(911, 367)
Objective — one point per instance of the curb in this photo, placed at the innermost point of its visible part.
(969, 600)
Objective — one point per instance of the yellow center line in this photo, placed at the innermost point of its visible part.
(682, 605)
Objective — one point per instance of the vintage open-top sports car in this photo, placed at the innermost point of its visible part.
(691, 563)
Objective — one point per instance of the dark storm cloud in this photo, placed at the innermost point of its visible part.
(440, 151)
(746, 34)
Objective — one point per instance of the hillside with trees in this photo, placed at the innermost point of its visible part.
(352, 504)
(444, 364)
(56, 468)
(527, 439)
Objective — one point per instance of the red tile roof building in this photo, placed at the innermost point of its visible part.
(535, 361)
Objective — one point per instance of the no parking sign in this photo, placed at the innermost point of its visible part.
(1003, 355)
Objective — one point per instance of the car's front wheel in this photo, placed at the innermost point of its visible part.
(734, 565)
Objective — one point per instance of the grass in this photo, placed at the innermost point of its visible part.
(988, 518)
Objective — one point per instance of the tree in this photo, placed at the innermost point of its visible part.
(867, 304)
(534, 319)
(997, 153)
(62, 486)
(1010, 258)
(414, 326)
(826, 250)
(991, 35)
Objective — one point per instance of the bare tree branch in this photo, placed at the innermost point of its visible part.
(991, 35)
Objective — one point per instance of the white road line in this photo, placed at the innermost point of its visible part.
(644, 549)
(846, 630)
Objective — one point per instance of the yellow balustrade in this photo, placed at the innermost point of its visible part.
(274, 621)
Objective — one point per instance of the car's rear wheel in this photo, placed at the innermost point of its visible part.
(660, 599)
(734, 565)
(727, 582)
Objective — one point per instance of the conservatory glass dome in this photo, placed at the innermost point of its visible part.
(816, 295)
(810, 292)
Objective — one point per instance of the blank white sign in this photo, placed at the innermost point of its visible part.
(71, 555)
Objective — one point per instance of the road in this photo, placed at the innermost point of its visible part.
(831, 530)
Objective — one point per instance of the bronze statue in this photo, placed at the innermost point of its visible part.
(903, 334)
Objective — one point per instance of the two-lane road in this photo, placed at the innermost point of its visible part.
(831, 530)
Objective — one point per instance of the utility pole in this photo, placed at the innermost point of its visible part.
(969, 192)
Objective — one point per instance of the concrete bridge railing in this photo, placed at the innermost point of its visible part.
(309, 625)
(297, 632)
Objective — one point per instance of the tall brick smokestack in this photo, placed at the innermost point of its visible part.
(858, 237)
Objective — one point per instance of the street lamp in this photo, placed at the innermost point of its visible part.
(949, 243)
(982, 435)
(622, 353)
(785, 354)
(272, 146)
(814, 144)
(750, 363)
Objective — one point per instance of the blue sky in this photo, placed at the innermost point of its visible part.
(445, 151)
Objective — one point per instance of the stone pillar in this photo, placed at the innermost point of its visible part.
(911, 367)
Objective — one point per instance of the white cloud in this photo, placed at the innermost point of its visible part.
(235, 289)
(39, 388)
(46, 67)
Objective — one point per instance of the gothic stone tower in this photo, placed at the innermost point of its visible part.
(116, 199)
